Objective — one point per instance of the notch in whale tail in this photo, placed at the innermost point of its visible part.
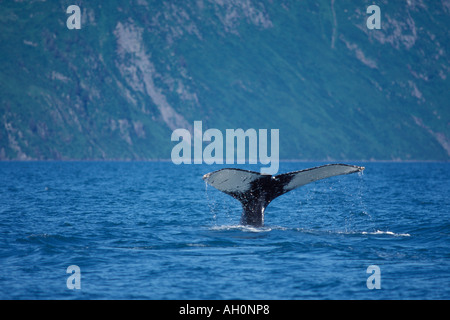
(255, 191)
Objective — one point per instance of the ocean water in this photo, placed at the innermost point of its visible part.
(154, 230)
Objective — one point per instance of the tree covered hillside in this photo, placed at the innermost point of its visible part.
(137, 70)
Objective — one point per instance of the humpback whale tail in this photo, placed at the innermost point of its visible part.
(255, 191)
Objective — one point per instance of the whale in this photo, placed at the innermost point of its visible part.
(255, 191)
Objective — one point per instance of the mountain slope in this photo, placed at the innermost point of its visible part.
(137, 70)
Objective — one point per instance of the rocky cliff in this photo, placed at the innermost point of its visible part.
(137, 70)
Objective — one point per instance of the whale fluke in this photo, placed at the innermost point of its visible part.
(255, 191)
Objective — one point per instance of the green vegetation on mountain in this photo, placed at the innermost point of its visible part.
(137, 70)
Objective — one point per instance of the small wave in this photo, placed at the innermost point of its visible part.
(241, 228)
(313, 231)
(196, 245)
(388, 233)
(48, 238)
(377, 232)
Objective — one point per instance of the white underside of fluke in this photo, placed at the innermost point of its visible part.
(255, 191)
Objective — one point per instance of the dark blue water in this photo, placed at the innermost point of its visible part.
(153, 230)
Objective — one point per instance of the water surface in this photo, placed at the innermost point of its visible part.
(154, 230)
